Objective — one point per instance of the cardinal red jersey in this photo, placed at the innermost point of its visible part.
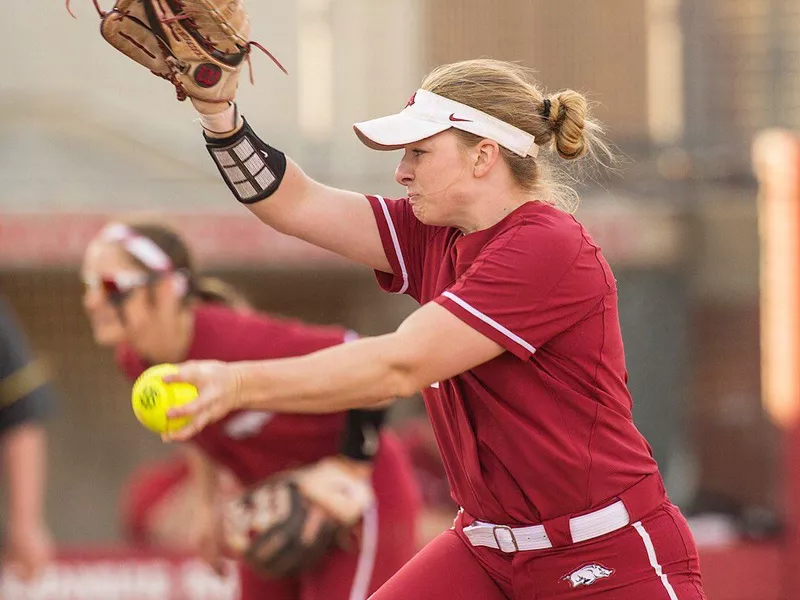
(545, 429)
(256, 444)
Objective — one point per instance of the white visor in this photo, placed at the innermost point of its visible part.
(427, 114)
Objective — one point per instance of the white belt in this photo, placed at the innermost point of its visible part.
(534, 537)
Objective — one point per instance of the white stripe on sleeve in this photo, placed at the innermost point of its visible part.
(396, 243)
(489, 321)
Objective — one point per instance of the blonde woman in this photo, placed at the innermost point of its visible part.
(516, 347)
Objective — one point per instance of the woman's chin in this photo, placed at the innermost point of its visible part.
(107, 338)
(428, 218)
(419, 212)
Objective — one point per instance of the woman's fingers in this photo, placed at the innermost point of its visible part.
(190, 409)
(188, 372)
(216, 384)
(192, 428)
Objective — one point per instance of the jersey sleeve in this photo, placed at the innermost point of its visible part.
(26, 393)
(404, 239)
(528, 285)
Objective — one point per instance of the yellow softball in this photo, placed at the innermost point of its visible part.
(152, 398)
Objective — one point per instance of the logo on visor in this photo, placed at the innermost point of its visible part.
(411, 100)
(454, 118)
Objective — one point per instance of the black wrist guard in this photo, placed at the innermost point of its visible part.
(252, 169)
(360, 440)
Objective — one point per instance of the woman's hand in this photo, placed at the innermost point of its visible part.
(28, 548)
(208, 108)
(219, 388)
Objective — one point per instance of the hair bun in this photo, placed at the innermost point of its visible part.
(567, 121)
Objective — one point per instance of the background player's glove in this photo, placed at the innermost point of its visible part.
(197, 45)
(284, 525)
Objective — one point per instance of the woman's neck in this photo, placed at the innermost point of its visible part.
(173, 339)
(493, 208)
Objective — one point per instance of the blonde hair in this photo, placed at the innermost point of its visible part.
(560, 122)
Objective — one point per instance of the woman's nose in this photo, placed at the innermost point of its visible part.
(92, 298)
(403, 174)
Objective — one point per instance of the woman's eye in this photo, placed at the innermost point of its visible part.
(418, 152)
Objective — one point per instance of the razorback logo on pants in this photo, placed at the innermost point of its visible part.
(587, 575)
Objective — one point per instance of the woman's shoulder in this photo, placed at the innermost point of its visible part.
(252, 334)
(544, 215)
(218, 323)
(217, 314)
(537, 224)
(225, 333)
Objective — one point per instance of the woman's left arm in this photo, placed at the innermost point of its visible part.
(431, 345)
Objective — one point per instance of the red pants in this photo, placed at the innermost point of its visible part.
(652, 559)
(387, 542)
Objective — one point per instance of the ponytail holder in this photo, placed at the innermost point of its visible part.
(546, 108)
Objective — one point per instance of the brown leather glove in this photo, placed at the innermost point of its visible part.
(197, 45)
(285, 524)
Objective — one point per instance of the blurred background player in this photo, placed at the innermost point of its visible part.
(26, 397)
(144, 298)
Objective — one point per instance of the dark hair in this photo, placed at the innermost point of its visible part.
(204, 288)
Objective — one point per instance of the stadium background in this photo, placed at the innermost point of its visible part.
(684, 86)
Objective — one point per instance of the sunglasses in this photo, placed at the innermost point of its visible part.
(119, 286)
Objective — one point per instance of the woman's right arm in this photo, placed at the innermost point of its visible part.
(337, 220)
(334, 219)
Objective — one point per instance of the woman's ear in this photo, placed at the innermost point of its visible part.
(488, 151)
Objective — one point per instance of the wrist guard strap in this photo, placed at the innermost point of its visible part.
(360, 440)
(252, 169)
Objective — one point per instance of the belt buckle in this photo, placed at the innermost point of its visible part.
(510, 532)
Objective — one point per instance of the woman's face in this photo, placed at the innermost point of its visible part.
(116, 298)
(437, 175)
